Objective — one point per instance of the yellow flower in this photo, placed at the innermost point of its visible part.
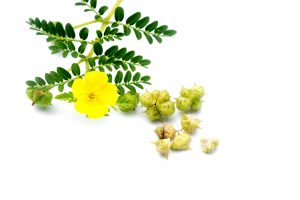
(94, 94)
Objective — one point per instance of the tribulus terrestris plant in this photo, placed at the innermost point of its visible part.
(100, 77)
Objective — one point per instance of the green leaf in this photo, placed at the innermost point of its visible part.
(161, 29)
(102, 60)
(75, 69)
(145, 62)
(71, 46)
(114, 24)
(66, 97)
(127, 30)
(54, 49)
(143, 22)
(99, 34)
(127, 77)
(128, 56)
(139, 86)
(93, 3)
(145, 78)
(61, 45)
(102, 10)
(119, 77)
(137, 76)
(38, 23)
(119, 14)
(107, 31)
(88, 10)
(92, 62)
(158, 39)
(45, 26)
(138, 34)
(149, 38)
(56, 76)
(133, 18)
(170, 33)
(121, 90)
(124, 66)
(70, 31)
(65, 53)
(60, 29)
(82, 47)
(111, 51)
(131, 88)
(109, 76)
(132, 67)
(74, 54)
(152, 26)
(40, 81)
(61, 87)
(51, 28)
(84, 33)
(137, 59)
(64, 73)
(50, 80)
(80, 4)
(98, 49)
(31, 83)
(70, 84)
(120, 53)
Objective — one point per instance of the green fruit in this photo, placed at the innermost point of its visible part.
(40, 98)
(128, 102)
(197, 91)
(196, 104)
(183, 103)
(166, 109)
(185, 92)
(147, 99)
(163, 96)
(189, 124)
(152, 113)
(181, 142)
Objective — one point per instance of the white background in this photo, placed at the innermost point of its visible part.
(245, 54)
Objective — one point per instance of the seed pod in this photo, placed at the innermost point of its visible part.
(163, 146)
(155, 95)
(196, 104)
(128, 102)
(39, 97)
(166, 109)
(152, 113)
(165, 131)
(163, 96)
(185, 92)
(209, 145)
(181, 142)
(197, 91)
(183, 103)
(189, 124)
(147, 99)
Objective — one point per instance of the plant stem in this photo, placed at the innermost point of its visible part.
(103, 26)
(86, 23)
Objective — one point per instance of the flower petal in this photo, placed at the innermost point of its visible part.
(108, 94)
(96, 111)
(81, 106)
(79, 88)
(95, 80)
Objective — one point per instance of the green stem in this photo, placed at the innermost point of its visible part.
(129, 83)
(86, 24)
(103, 26)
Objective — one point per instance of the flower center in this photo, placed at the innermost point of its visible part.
(91, 96)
